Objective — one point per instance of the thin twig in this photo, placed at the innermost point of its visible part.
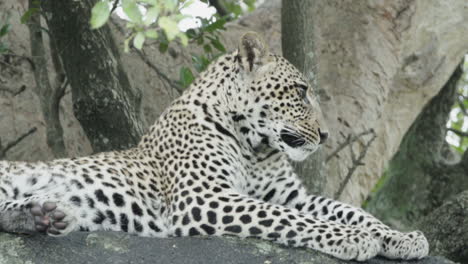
(114, 6)
(458, 132)
(219, 8)
(461, 104)
(356, 162)
(13, 68)
(349, 140)
(173, 84)
(3, 150)
(23, 57)
(12, 92)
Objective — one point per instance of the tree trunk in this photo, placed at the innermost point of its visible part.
(298, 46)
(378, 64)
(48, 96)
(418, 178)
(104, 101)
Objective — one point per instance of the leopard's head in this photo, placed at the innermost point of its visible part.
(284, 111)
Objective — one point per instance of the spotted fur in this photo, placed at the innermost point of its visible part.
(216, 162)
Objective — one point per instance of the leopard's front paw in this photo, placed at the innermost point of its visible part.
(359, 246)
(411, 245)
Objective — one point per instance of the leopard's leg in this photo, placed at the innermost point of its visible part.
(19, 180)
(277, 183)
(37, 214)
(88, 197)
(394, 244)
(233, 214)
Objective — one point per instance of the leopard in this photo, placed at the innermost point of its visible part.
(217, 162)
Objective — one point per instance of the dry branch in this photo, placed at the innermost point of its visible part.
(356, 161)
(172, 84)
(11, 91)
(350, 139)
(219, 7)
(458, 132)
(3, 150)
(114, 6)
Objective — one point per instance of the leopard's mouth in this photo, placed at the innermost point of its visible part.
(292, 139)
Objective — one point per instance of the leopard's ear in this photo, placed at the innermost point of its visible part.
(253, 51)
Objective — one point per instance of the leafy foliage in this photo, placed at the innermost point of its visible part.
(457, 136)
(159, 19)
(235, 8)
(206, 36)
(152, 19)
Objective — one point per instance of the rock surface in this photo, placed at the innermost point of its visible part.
(111, 247)
(446, 228)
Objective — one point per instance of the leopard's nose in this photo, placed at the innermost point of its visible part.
(323, 136)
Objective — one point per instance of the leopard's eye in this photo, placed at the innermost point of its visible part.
(303, 92)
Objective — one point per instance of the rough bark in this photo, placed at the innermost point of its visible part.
(446, 229)
(298, 46)
(104, 102)
(418, 178)
(380, 62)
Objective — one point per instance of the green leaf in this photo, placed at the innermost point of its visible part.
(250, 4)
(5, 29)
(218, 45)
(183, 38)
(200, 62)
(139, 40)
(151, 33)
(3, 47)
(186, 4)
(99, 14)
(207, 48)
(151, 2)
(234, 8)
(127, 45)
(217, 25)
(170, 4)
(170, 27)
(163, 47)
(191, 33)
(186, 77)
(151, 15)
(131, 9)
(27, 15)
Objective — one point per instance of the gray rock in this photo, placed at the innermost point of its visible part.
(446, 228)
(116, 248)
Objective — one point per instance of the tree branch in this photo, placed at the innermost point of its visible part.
(173, 84)
(47, 94)
(12, 92)
(461, 104)
(114, 6)
(26, 58)
(458, 132)
(356, 162)
(163, 76)
(348, 141)
(219, 7)
(3, 150)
